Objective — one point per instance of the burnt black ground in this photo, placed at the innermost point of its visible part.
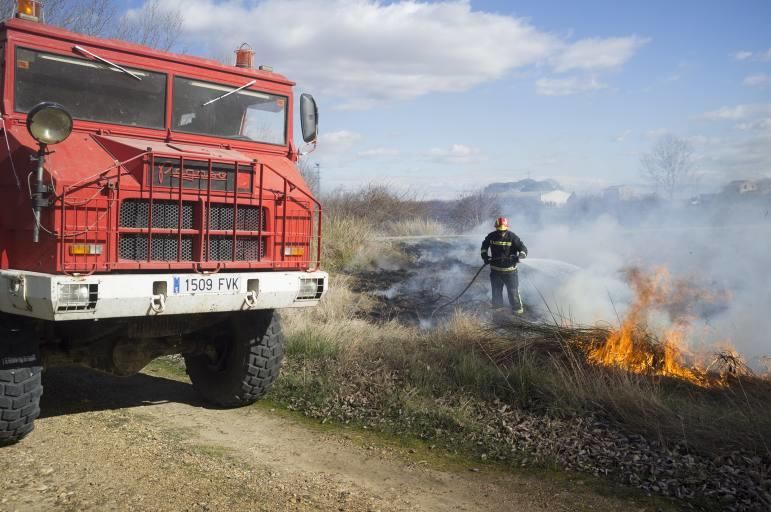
(435, 272)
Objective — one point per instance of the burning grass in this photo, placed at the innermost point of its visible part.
(647, 382)
(635, 349)
(692, 405)
(635, 345)
(539, 367)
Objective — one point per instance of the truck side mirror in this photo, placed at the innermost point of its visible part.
(309, 117)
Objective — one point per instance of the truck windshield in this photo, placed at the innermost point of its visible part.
(245, 114)
(89, 90)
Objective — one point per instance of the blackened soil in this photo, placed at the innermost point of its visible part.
(436, 272)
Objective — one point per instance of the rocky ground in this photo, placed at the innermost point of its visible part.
(146, 443)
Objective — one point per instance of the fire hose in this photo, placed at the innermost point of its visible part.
(461, 293)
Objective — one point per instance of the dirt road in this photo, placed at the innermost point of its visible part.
(147, 443)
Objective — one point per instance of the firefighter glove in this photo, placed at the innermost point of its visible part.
(522, 255)
(486, 259)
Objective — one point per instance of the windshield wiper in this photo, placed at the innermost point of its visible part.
(230, 92)
(105, 61)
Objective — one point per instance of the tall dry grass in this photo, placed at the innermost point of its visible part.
(338, 325)
(408, 367)
(354, 218)
(343, 238)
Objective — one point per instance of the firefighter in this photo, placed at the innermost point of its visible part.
(505, 251)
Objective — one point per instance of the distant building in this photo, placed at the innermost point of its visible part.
(741, 187)
(556, 198)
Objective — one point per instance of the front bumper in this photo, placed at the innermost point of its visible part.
(63, 297)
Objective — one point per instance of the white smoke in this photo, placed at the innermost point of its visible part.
(577, 271)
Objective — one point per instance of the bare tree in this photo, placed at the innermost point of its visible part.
(473, 208)
(153, 24)
(669, 165)
(90, 17)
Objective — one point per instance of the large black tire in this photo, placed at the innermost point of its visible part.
(246, 362)
(20, 392)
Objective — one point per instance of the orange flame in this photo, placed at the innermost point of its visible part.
(633, 347)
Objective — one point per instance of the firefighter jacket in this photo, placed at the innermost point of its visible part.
(504, 248)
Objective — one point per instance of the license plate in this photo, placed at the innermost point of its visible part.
(186, 285)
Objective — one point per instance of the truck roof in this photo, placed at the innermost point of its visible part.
(49, 31)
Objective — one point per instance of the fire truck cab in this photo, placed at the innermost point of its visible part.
(150, 204)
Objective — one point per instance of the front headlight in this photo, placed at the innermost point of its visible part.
(73, 293)
(77, 296)
(49, 123)
(310, 288)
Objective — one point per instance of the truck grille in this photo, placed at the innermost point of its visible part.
(247, 249)
(135, 246)
(199, 214)
(134, 213)
(249, 218)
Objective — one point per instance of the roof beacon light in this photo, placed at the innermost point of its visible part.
(245, 56)
(29, 10)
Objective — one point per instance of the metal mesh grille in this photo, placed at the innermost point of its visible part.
(247, 249)
(221, 217)
(220, 248)
(135, 246)
(134, 213)
(249, 218)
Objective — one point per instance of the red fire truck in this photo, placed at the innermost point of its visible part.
(150, 204)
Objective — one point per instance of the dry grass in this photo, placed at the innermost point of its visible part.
(337, 327)
(352, 218)
(536, 368)
(380, 255)
(343, 238)
(727, 396)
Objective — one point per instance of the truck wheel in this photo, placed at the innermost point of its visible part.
(20, 392)
(244, 363)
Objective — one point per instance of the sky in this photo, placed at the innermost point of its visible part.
(443, 97)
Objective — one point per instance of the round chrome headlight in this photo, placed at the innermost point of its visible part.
(49, 123)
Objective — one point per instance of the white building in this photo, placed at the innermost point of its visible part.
(556, 198)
